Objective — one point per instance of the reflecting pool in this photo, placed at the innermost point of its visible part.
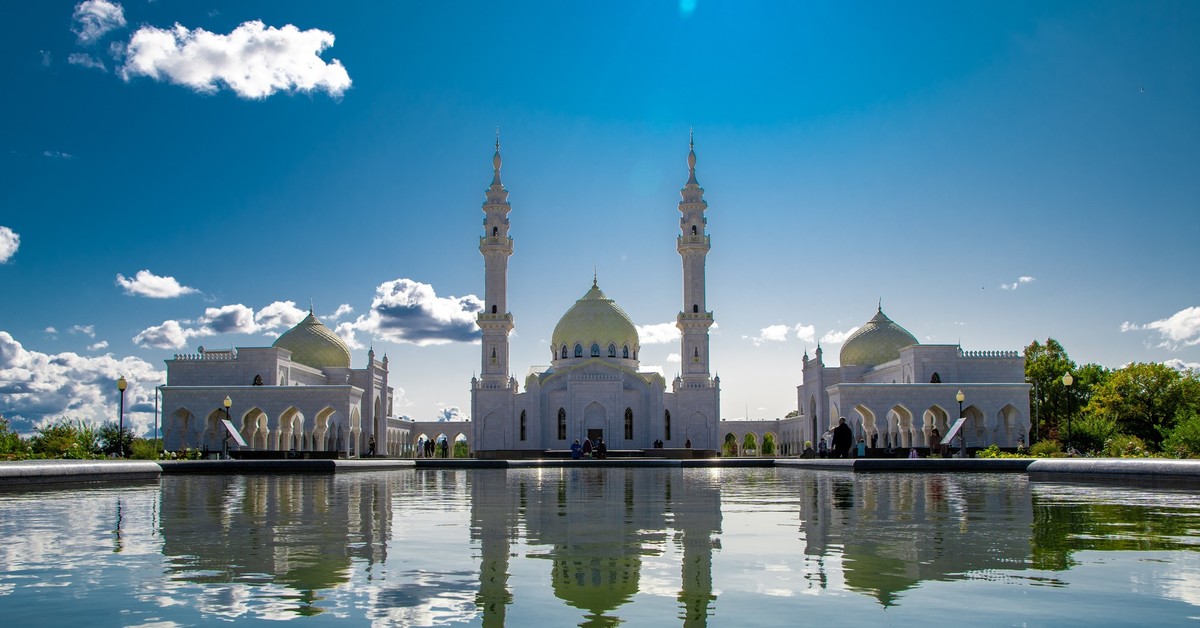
(599, 547)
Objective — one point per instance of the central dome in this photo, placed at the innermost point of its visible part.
(879, 340)
(595, 320)
(313, 344)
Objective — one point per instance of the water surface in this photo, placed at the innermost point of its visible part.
(600, 547)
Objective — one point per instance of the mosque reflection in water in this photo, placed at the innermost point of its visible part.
(432, 547)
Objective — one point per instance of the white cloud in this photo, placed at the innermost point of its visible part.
(1180, 329)
(86, 60)
(450, 413)
(341, 311)
(657, 333)
(9, 243)
(411, 312)
(279, 315)
(57, 154)
(168, 335)
(255, 61)
(50, 330)
(807, 333)
(95, 18)
(1180, 365)
(779, 333)
(674, 358)
(103, 344)
(47, 58)
(1020, 280)
(86, 330)
(38, 388)
(147, 284)
(837, 337)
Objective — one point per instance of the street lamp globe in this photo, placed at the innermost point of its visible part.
(228, 403)
(960, 397)
(1068, 380)
(122, 384)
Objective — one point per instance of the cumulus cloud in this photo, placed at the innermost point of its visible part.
(341, 311)
(86, 60)
(451, 413)
(674, 358)
(95, 18)
(57, 154)
(837, 337)
(103, 344)
(1180, 329)
(780, 333)
(86, 330)
(9, 243)
(1180, 365)
(411, 312)
(1014, 285)
(227, 319)
(147, 284)
(254, 60)
(39, 388)
(657, 333)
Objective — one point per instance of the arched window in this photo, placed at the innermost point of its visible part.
(522, 425)
(612, 350)
(667, 424)
(696, 352)
(496, 231)
(578, 350)
(693, 229)
(493, 355)
(625, 352)
(695, 308)
(595, 350)
(628, 424)
(564, 352)
(562, 424)
(493, 309)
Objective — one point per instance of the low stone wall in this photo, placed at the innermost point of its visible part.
(26, 473)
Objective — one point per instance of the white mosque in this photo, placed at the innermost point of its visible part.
(594, 386)
(301, 393)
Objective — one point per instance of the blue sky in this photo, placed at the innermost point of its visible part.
(185, 174)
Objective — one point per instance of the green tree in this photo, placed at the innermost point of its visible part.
(461, 450)
(11, 443)
(1045, 364)
(1145, 398)
(66, 439)
(791, 415)
(1184, 439)
(113, 441)
(768, 444)
(749, 444)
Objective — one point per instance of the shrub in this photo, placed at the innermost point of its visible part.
(11, 443)
(1183, 441)
(113, 441)
(1046, 448)
(1091, 432)
(1126, 446)
(144, 449)
(66, 439)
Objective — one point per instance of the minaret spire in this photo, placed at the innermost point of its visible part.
(495, 321)
(693, 245)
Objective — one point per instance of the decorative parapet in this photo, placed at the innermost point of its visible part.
(694, 240)
(593, 376)
(496, 241)
(988, 354)
(208, 356)
(486, 316)
(685, 383)
(696, 316)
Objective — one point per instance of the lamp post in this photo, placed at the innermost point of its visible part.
(225, 443)
(962, 432)
(121, 386)
(1067, 381)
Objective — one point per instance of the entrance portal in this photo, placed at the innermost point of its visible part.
(595, 434)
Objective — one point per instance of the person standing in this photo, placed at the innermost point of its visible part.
(843, 438)
(576, 450)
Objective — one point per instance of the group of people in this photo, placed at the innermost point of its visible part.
(588, 450)
(431, 449)
(841, 440)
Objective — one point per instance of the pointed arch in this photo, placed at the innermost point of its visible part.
(628, 423)
(562, 424)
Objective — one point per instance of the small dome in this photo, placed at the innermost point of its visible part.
(879, 340)
(595, 318)
(313, 344)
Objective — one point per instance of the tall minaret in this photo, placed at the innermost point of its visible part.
(693, 245)
(495, 320)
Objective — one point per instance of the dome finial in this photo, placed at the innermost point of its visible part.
(310, 305)
(594, 277)
(496, 161)
(880, 308)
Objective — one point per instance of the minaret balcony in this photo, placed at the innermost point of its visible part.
(487, 316)
(694, 243)
(495, 243)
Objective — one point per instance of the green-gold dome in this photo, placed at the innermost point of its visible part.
(313, 344)
(595, 318)
(879, 340)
